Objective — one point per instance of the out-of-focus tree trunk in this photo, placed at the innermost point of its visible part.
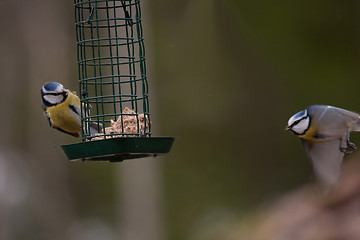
(139, 181)
(34, 47)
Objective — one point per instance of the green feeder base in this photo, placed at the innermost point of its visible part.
(118, 149)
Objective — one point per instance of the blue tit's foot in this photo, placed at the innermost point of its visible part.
(349, 147)
(345, 150)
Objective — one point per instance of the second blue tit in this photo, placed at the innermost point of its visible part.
(62, 109)
(324, 131)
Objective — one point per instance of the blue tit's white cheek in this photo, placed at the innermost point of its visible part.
(54, 99)
(301, 127)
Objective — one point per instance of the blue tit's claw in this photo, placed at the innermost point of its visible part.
(345, 150)
(83, 93)
(350, 145)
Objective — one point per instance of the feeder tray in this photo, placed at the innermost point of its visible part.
(118, 149)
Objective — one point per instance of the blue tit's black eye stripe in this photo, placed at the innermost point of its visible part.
(65, 93)
(297, 121)
(74, 109)
(55, 94)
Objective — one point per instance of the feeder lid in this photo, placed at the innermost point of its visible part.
(118, 149)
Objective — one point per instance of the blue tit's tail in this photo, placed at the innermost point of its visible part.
(93, 128)
(90, 128)
(356, 126)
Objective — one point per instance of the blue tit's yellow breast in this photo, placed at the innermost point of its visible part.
(61, 116)
(312, 134)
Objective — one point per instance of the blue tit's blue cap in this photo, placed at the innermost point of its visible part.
(300, 114)
(51, 86)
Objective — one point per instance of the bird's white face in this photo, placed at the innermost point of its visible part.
(299, 123)
(53, 93)
(54, 99)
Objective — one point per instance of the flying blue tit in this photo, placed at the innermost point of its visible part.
(62, 108)
(324, 132)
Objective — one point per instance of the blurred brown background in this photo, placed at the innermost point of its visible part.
(224, 76)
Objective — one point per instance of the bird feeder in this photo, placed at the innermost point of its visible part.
(113, 87)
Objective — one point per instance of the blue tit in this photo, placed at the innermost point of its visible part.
(324, 132)
(62, 108)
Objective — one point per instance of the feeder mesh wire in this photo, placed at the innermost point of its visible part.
(111, 65)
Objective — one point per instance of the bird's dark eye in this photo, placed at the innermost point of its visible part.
(296, 122)
(299, 120)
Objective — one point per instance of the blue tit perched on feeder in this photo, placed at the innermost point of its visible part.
(324, 132)
(62, 109)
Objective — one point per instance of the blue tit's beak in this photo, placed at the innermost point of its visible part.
(287, 128)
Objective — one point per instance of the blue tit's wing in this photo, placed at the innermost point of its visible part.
(48, 118)
(326, 159)
(352, 120)
(332, 122)
(75, 112)
(47, 115)
(62, 130)
(329, 113)
(338, 117)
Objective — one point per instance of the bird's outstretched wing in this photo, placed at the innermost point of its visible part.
(351, 119)
(326, 159)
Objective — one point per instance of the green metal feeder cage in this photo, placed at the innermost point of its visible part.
(113, 86)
